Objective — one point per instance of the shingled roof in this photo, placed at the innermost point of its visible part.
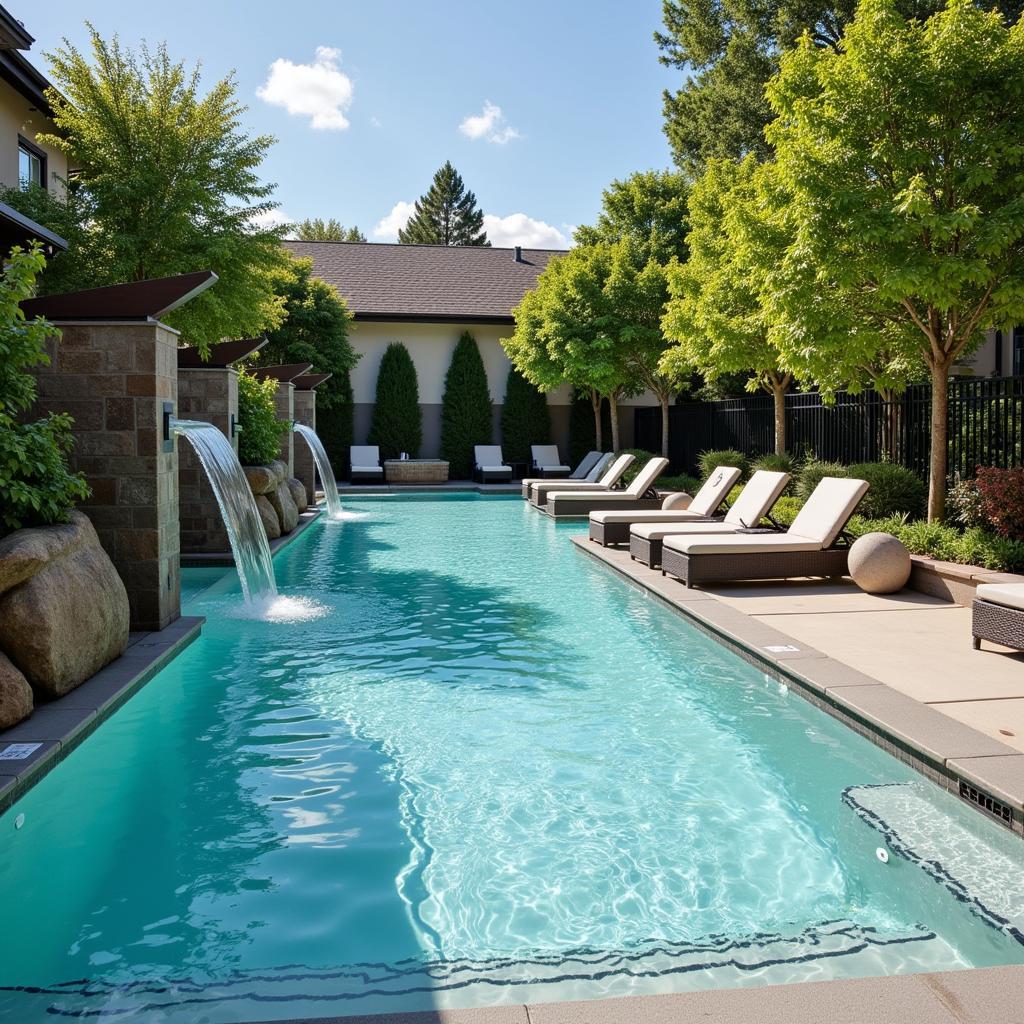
(426, 282)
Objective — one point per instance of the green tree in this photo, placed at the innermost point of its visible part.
(36, 488)
(525, 418)
(315, 331)
(166, 182)
(259, 441)
(315, 229)
(446, 215)
(466, 408)
(397, 424)
(909, 208)
(728, 51)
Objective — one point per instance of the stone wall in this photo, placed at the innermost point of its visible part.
(305, 467)
(209, 394)
(284, 403)
(113, 378)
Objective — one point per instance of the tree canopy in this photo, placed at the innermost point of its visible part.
(166, 182)
(446, 214)
(316, 229)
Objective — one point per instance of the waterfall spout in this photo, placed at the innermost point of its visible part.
(237, 506)
(323, 466)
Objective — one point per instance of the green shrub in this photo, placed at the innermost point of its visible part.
(335, 423)
(1002, 499)
(682, 482)
(260, 439)
(784, 511)
(525, 419)
(466, 409)
(640, 459)
(811, 474)
(707, 461)
(774, 463)
(893, 490)
(36, 487)
(397, 424)
(963, 504)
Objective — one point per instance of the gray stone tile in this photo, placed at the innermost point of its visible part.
(826, 673)
(917, 725)
(25, 767)
(1001, 776)
(48, 722)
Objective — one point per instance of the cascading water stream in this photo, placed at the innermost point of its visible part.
(323, 466)
(246, 535)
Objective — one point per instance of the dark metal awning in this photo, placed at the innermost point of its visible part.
(17, 229)
(221, 355)
(137, 300)
(282, 371)
(310, 381)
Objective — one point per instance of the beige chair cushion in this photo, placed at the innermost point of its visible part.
(738, 543)
(659, 531)
(714, 490)
(757, 497)
(652, 515)
(616, 469)
(828, 508)
(1011, 595)
(364, 455)
(646, 477)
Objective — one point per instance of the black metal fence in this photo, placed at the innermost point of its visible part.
(986, 419)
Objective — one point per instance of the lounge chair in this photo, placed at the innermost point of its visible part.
(365, 462)
(489, 466)
(639, 494)
(608, 480)
(998, 615)
(813, 546)
(612, 526)
(590, 463)
(753, 504)
(546, 462)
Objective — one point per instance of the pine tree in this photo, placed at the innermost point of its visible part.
(525, 419)
(446, 215)
(465, 409)
(397, 424)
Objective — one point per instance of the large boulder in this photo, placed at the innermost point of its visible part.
(262, 479)
(15, 694)
(298, 493)
(280, 471)
(24, 552)
(287, 513)
(271, 524)
(68, 619)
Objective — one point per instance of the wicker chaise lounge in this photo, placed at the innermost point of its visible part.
(489, 465)
(998, 615)
(546, 462)
(606, 482)
(365, 462)
(639, 494)
(813, 546)
(590, 468)
(753, 504)
(613, 525)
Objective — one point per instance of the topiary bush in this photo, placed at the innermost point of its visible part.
(466, 408)
(260, 439)
(811, 474)
(36, 487)
(708, 461)
(1001, 493)
(774, 462)
(525, 419)
(893, 490)
(397, 424)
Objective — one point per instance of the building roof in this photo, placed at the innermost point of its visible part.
(16, 69)
(17, 229)
(437, 283)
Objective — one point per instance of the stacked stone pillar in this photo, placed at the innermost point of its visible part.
(305, 467)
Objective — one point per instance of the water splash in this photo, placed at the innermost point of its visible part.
(237, 506)
(323, 466)
(281, 608)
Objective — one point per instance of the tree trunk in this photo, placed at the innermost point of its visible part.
(889, 412)
(595, 403)
(613, 406)
(779, 396)
(664, 426)
(939, 458)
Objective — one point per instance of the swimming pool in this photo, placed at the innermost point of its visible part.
(488, 772)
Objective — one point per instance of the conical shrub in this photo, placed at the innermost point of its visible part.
(397, 424)
(465, 409)
(525, 419)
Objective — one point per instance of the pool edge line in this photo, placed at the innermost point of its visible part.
(226, 560)
(90, 705)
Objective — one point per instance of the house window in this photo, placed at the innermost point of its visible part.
(31, 164)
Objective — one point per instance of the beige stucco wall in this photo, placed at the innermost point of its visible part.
(18, 117)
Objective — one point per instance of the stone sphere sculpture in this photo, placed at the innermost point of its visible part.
(879, 563)
(676, 500)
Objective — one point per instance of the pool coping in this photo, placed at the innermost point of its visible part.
(59, 726)
(226, 560)
(949, 753)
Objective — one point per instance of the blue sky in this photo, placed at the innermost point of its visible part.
(366, 99)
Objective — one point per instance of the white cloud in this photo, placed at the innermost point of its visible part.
(320, 91)
(388, 227)
(271, 219)
(491, 125)
(518, 229)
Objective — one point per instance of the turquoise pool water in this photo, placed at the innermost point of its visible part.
(488, 772)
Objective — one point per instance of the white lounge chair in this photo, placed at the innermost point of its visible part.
(546, 462)
(612, 525)
(365, 462)
(755, 502)
(591, 463)
(813, 546)
(489, 464)
(639, 494)
(605, 482)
